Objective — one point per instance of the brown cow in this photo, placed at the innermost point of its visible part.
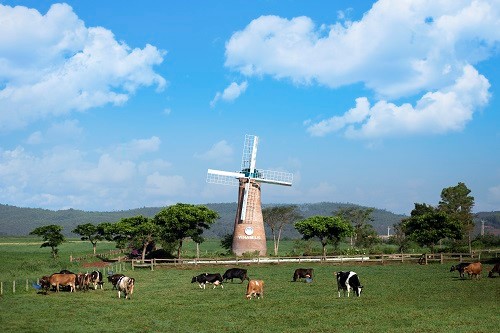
(58, 279)
(255, 288)
(495, 269)
(474, 269)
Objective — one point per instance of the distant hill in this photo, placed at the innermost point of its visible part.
(16, 221)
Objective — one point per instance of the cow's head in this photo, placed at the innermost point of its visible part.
(358, 290)
(453, 268)
(194, 279)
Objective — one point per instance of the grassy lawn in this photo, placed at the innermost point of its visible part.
(396, 298)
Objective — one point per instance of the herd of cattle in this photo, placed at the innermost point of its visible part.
(473, 269)
(84, 281)
(346, 281)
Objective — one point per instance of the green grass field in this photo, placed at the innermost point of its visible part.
(396, 298)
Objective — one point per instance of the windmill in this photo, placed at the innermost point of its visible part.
(249, 234)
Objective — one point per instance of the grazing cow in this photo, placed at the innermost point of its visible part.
(460, 268)
(126, 285)
(113, 279)
(302, 273)
(205, 278)
(474, 269)
(44, 283)
(96, 279)
(495, 269)
(233, 273)
(58, 279)
(255, 288)
(347, 281)
(83, 281)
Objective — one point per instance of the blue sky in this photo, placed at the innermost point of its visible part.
(110, 105)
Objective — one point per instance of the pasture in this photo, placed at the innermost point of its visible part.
(396, 298)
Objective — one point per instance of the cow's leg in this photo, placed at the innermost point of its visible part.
(118, 294)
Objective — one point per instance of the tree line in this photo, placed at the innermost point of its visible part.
(451, 219)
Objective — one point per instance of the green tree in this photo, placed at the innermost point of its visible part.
(52, 237)
(139, 230)
(182, 221)
(364, 233)
(227, 242)
(276, 218)
(89, 232)
(457, 204)
(428, 226)
(327, 228)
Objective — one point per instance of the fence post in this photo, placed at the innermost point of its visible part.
(382, 258)
(132, 264)
(402, 257)
(152, 264)
(442, 258)
(460, 257)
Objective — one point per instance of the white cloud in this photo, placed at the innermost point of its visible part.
(138, 147)
(157, 184)
(63, 177)
(52, 65)
(220, 152)
(436, 112)
(398, 49)
(233, 91)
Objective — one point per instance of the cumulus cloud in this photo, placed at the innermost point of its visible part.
(53, 64)
(64, 177)
(220, 152)
(436, 112)
(232, 92)
(399, 49)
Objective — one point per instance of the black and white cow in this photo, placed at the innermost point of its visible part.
(347, 281)
(235, 273)
(113, 279)
(125, 285)
(205, 278)
(460, 268)
(96, 278)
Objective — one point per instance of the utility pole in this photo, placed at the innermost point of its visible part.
(482, 227)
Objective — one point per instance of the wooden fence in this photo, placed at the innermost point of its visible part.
(422, 259)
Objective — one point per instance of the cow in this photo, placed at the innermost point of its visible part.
(474, 269)
(83, 281)
(495, 269)
(58, 279)
(113, 279)
(44, 284)
(233, 273)
(126, 285)
(347, 281)
(96, 279)
(460, 268)
(255, 288)
(205, 278)
(302, 273)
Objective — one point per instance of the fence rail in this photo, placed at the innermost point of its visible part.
(382, 258)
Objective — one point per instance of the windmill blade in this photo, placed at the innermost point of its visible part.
(245, 200)
(249, 154)
(224, 177)
(274, 177)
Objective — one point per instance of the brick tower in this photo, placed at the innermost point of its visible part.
(249, 235)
